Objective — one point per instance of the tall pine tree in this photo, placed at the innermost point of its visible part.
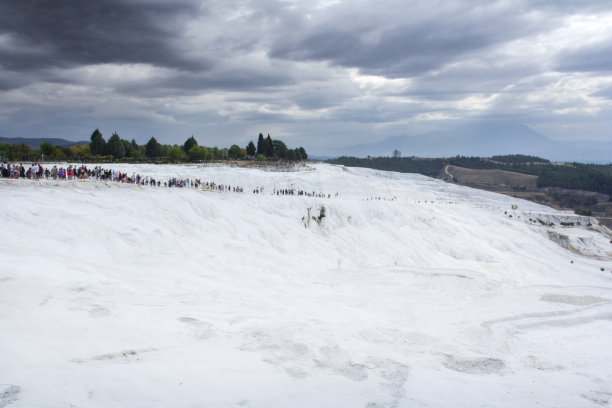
(97, 144)
(251, 149)
(153, 148)
(115, 146)
(189, 143)
(261, 144)
(269, 147)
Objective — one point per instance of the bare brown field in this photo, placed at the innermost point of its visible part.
(499, 179)
(525, 186)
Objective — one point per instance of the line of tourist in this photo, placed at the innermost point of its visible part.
(291, 191)
(78, 172)
(37, 172)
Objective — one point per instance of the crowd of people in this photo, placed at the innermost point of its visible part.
(291, 191)
(14, 171)
(78, 172)
(73, 172)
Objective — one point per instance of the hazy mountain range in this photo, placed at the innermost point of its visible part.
(485, 140)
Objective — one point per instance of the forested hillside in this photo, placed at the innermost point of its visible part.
(590, 177)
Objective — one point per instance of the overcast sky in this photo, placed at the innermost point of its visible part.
(320, 74)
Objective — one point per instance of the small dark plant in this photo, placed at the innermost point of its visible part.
(319, 219)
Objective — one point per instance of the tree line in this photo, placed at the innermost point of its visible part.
(267, 147)
(16, 152)
(589, 177)
(116, 148)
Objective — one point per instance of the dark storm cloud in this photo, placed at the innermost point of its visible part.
(189, 85)
(390, 40)
(61, 33)
(10, 80)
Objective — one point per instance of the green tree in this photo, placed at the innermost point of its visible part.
(303, 155)
(19, 152)
(115, 146)
(176, 154)
(66, 151)
(261, 148)
(251, 150)
(153, 148)
(85, 150)
(75, 153)
(189, 143)
(60, 154)
(260, 157)
(198, 153)
(234, 152)
(280, 149)
(47, 149)
(216, 154)
(135, 149)
(4, 151)
(164, 149)
(269, 147)
(132, 149)
(98, 144)
(127, 146)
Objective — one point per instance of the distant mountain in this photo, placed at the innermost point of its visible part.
(34, 143)
(485, 139)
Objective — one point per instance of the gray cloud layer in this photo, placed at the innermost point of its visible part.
(322, 73)
(398, 39)
(66, 33)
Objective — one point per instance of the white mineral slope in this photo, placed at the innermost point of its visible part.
(123, 296)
